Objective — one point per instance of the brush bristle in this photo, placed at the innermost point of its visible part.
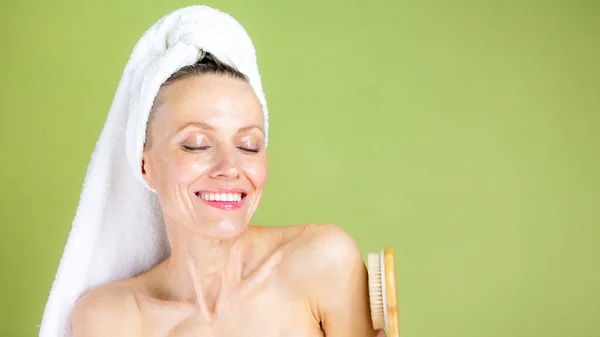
(376, 291)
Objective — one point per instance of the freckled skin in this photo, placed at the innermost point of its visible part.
(226, 277)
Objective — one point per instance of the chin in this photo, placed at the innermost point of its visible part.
(226, 229)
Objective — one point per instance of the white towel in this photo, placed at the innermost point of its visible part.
(118, 230)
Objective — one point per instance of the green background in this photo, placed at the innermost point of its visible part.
(465, 134)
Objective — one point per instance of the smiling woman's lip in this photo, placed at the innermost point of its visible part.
(222, 190)
(225, 205)
(225, 198)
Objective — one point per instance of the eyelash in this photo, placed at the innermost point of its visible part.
(191, 148)
(248, 150)
(202, 148)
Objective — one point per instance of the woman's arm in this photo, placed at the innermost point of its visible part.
(338, 284)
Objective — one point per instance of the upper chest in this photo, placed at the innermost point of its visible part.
(272, 312)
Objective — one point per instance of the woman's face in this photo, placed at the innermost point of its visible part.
(206, 158)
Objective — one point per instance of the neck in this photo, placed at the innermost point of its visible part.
(203, 270)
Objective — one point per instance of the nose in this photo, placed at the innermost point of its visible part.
(226, 166)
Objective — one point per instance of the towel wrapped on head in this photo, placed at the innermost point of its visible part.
(118, 230)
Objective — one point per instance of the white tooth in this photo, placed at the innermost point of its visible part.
(221, 196)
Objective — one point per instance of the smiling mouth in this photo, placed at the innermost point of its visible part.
(221, 197)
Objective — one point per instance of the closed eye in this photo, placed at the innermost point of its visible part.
(196, 148)
(245, 149)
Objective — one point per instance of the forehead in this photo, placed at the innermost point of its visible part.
(218, 100)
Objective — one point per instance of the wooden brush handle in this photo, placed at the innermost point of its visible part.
(390, 292)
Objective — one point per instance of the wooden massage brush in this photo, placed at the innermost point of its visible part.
(382, 291)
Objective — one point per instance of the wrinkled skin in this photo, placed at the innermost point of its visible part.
(226, 277)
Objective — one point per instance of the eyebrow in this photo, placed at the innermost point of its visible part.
(198, 125)
(248, 128)
(208, 127)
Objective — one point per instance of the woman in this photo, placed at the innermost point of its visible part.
(204, 157)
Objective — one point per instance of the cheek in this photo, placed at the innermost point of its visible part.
(257, 172)
(184, 170)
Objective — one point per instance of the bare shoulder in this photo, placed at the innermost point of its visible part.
(107, 310)
(325, 263)
(322, 252)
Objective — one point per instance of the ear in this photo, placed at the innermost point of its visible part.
(146, 171)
